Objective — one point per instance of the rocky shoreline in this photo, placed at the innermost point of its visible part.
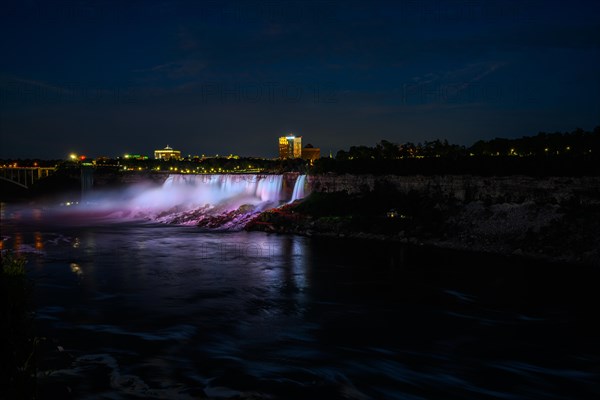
(566, 232)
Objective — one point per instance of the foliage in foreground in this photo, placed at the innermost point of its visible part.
(18, 367)
(13, 266)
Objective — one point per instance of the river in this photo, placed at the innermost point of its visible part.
(146, 310)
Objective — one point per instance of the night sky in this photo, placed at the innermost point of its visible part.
(104, 78)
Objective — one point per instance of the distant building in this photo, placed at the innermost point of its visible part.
(290, 147)
(135, 157)
(167, 154)
(311, 153)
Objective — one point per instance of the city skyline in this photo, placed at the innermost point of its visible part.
(111, 78)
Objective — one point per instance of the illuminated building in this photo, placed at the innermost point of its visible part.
(311, 153)
(167, 154)
(136, 156)
(290, 147)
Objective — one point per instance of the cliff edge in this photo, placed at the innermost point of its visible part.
(553, 218)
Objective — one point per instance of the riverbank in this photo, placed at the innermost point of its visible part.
(545, 220)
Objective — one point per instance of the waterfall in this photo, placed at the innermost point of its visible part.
(215, 202)
(212, 201)
(298, 192)
(201, 190)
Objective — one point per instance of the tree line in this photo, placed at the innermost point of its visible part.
(577, 142)
(559, 154)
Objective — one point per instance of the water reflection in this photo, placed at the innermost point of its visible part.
(18, 242)
(36, 214)
(38, 241)
(76, 269)
(294, 317)
(296, 260)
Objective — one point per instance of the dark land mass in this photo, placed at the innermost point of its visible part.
(565, 229)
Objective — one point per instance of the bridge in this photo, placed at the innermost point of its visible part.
(24, 176)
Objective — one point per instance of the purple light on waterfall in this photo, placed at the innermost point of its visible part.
(223, 202)
(298, 192)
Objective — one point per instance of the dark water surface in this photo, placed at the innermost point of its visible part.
(154, 311)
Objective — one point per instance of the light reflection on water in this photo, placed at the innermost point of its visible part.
(170, 312)
(39, 242)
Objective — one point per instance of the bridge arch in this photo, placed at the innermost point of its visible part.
(13, 182)
(24, 176)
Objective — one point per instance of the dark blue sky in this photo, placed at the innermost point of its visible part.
(105, 78)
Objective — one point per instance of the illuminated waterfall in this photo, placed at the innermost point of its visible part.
(298, 192)
(212, 201)
(219, 201)
(215, 189)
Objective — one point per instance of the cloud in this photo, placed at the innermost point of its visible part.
(175, 70)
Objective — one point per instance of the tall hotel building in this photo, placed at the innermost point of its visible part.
(290, 147)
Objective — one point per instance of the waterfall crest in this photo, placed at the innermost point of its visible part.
(214, 189)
